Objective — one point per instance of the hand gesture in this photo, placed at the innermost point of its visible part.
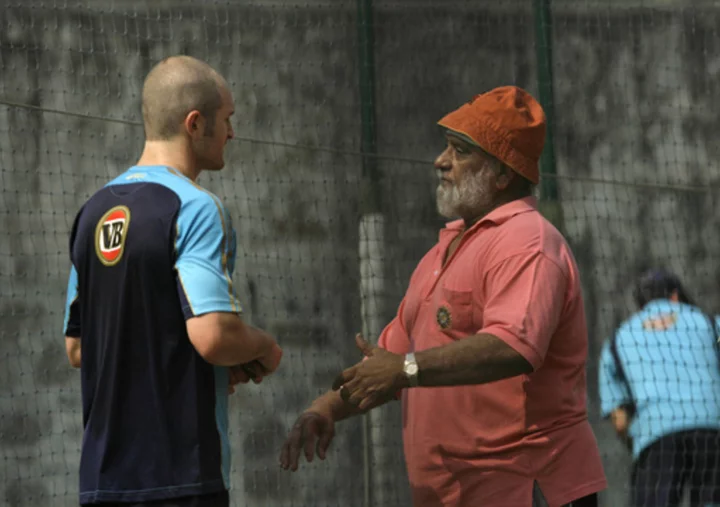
(374, 380)
(310, 427)
(243, 373)
(271, 361)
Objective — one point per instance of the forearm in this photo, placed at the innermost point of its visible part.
(223, 339)
(478, 359)
(263, 339)
(245, 345)
(332, 405)
(256, 367)
(74, 351)
(620, 420)
(76, 359)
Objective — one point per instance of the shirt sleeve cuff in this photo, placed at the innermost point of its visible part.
(524, 349)
(218, 305)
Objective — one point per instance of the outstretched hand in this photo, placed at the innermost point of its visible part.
(374, 380)
(312, 431)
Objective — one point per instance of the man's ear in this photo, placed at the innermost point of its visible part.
(504, 177)
(194, 123)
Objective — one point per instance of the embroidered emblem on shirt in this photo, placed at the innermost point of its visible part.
(444, 318)
(661, 322)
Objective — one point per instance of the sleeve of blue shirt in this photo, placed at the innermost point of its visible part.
(613, 393)
(205, 249)
(71, 324)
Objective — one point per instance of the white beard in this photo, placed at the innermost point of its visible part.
(467, 195)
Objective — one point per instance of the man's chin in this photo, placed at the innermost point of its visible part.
(214, 167)
(445, 210)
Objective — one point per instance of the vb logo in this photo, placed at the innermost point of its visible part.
(110, 234)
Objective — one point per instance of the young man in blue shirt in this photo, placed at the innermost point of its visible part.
(152, 319)
(660, 385)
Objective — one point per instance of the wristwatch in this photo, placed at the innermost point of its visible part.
(410, 367)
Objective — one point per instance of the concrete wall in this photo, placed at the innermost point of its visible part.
(635, 93)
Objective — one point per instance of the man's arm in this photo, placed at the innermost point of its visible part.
(71, 323)
(477, 359)
(72, 348)
(614, 397)
(332, 405)
(394, 338)
(223, 339)
(474, 360)
(620, 419)
(524, 298)
(314, 429)
(205, 256)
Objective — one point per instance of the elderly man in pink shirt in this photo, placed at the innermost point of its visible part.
(487, 352)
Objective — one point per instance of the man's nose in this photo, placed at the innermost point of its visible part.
(442, 162)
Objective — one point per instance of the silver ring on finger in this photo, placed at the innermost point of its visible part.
(344, 393)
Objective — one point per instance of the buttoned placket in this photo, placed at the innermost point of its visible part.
(438, 267)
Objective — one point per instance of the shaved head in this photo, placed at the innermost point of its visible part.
(175, 87)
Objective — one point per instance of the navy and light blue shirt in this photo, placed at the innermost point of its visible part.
(150, 250)
(670, 358)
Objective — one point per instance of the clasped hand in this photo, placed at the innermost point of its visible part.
(255, 370)
(372, 381)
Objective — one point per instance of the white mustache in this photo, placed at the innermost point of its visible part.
(441, 179)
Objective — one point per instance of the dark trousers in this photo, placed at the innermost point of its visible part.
(221, 499)
(586, 501)
(687, 459)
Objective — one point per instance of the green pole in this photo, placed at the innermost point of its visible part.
(371, 223)
(549, 198)
(371, 197)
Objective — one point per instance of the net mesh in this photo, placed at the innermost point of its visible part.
(634, 86)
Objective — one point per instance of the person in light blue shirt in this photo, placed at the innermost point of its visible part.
(659, 380)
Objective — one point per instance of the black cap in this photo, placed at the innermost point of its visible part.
(659, 283)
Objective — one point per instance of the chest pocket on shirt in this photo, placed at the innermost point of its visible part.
(455, 310)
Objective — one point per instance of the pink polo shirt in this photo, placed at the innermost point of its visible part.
(513, 276)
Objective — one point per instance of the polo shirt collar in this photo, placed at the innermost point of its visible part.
(661, 305)
(500, 214)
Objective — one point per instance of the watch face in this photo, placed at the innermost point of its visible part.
(411, 369)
